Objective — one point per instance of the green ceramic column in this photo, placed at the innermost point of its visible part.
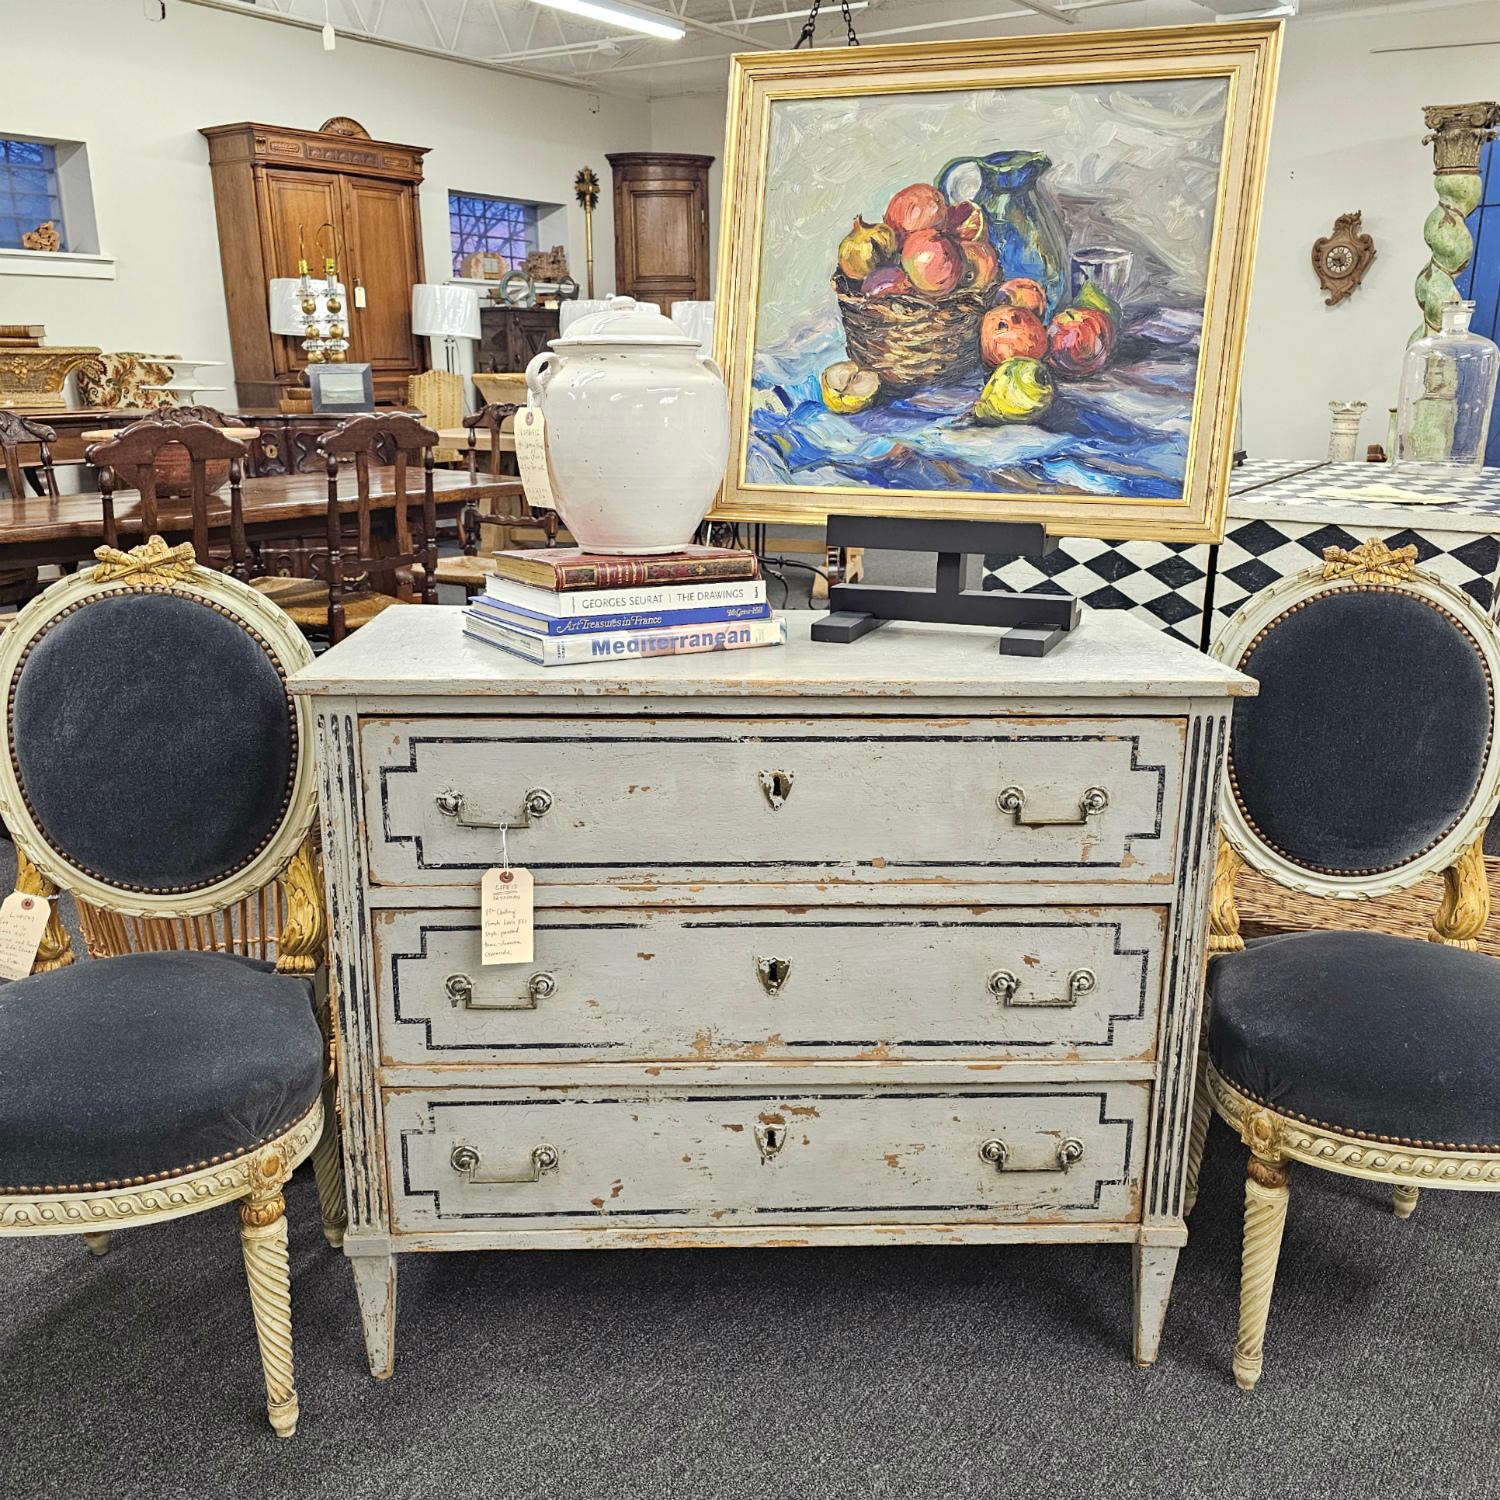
(1457, 133)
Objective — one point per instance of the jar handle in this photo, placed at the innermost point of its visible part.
(538, 373)
(709, 363)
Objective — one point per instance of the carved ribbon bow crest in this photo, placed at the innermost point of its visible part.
(152, 563)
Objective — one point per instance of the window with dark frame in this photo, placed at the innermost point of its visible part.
(496, 226)
(29, 194)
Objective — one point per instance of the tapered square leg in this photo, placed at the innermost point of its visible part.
(375, 1286)
(1155, 1266)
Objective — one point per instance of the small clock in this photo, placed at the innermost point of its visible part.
(1341, 259)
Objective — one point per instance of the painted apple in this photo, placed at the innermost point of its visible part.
(919, 206)
(1080, 341)
(847, 389)
(1011, 333)
(866, 247)
(888, 281)
(933, 262)
(1016, 391)
(1022, 291)
(966, 221)
(981, 264)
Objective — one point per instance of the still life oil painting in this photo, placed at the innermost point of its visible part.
(1014, 299)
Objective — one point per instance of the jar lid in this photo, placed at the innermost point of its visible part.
(624, 321)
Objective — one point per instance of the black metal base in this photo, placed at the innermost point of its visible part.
(1032, 623)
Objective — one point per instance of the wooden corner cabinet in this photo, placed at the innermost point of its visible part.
(274, 190)
(661, 226)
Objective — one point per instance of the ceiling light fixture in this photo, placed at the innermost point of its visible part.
(646, 22)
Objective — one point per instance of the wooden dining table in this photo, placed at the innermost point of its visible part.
(285, 516)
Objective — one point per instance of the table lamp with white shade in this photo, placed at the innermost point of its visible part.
(445, 312)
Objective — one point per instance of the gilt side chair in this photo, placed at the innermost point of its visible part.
(1368, 761)
(153, 761)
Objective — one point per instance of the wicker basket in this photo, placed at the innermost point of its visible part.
(911, 342)
(1266, 908)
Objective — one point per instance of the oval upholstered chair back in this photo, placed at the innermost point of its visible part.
(1369, 757)
(152, 758)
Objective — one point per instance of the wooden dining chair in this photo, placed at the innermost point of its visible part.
(1369, 759)
(17, 432)
(136, 454)
(363, 574)
(153, 761)
(498, 420)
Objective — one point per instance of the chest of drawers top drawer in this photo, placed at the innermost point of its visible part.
(636, 799)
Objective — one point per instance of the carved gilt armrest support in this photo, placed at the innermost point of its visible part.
(1223, 914)
(56, 951)
(1465, 906)
(304, 933)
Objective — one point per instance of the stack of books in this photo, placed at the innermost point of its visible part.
(559, 606)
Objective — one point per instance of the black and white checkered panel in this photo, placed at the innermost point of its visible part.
(1458, 540)
(1163, 582)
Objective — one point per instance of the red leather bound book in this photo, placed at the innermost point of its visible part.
(565, 569)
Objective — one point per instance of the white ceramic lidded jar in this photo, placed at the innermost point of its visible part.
(637, 428)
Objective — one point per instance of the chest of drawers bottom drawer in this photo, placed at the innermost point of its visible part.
(578, 1157)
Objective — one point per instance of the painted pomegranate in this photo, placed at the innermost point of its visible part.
(932, 261)
(919, 206)
(1011, 333)
(1080, 341)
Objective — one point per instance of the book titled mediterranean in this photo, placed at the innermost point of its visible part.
(562, 569)
(672, 640)
(654, 619)
(508, 592)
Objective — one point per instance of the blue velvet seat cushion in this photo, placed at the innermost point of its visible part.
(154, 741)
(149, 1065)
(1370, 1034)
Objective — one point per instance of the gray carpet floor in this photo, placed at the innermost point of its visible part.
(795, 1375)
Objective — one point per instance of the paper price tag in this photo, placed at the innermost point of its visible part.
(23, 920)
(531, 458)
(505, 917)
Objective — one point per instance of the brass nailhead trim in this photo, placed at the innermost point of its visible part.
(13, 1190)
(257, 637)
(1354, 1135)
(1249, 651)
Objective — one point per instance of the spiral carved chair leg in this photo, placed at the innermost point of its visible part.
(98, 1243)
(1267, 1188)
(328, 1172)
(1203, 1112)
(1404, 1200)
(263, 1240)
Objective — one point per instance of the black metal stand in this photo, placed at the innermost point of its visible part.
(1033, 623)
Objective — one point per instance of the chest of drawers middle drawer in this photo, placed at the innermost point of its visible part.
(1039, 983)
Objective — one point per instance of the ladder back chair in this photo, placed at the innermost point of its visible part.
(140, 455)
(363, 578)
(1368, 760)
(498, 420)
(153, 761)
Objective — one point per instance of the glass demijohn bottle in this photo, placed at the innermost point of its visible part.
(1447, 391)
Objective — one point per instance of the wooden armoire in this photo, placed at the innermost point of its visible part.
(276, 187)
(661, 227)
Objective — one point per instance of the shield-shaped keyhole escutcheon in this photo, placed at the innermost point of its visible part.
(773, 973)
(769, 1139)
(777, 787)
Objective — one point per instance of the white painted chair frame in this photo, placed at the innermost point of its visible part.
(1276, 1140)
(289, 857)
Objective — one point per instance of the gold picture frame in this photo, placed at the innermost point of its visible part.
(781, 411)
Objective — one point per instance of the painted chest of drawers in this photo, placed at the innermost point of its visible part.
(893, 943)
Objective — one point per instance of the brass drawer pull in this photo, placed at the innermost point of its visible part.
(465, 1161)
(997, 1153)
(541, 986)
(537, 803)
(1005, 986)
(1012, 799)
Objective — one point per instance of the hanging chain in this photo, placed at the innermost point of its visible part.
(810, 25)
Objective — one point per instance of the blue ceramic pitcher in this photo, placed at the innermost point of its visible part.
(1025, 227)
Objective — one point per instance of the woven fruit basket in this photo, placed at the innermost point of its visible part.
(914, 342)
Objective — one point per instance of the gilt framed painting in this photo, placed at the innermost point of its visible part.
(1001, 279)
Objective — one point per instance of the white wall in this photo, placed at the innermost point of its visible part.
(137, 93)
(1347, 135)
(695, 123)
